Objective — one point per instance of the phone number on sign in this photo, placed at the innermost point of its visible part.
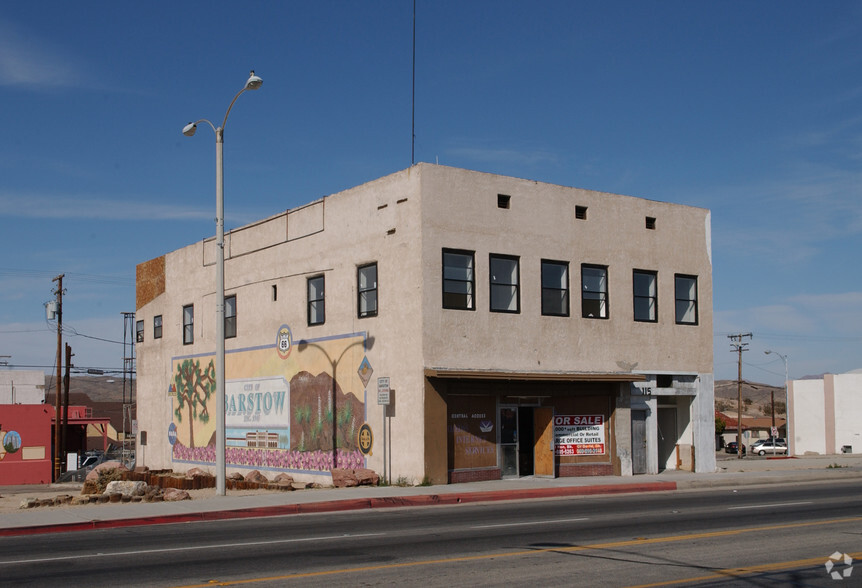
(591, 449)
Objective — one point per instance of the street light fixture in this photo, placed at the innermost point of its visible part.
(786, 399)
(253, 83)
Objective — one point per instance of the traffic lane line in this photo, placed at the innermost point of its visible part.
(748, 571)
(345, 505)
(556, 549)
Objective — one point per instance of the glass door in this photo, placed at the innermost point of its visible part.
(509, 440)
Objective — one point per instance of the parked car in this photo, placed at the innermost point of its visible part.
(732, 448)
(769, 447)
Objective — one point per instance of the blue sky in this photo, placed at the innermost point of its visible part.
(750, 109)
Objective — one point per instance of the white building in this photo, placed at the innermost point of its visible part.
(22, 387)
(826, 414)
(524, 329)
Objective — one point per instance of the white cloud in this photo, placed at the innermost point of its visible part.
(75, 206)
(30, 62)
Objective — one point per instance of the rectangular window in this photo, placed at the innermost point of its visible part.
(459, 280)
(157, 326)
(503, 200)
(366, 286)
(188, 324)
(581, 212)
(645, 296)
(316, 302)
(139, 332)
(505, 291)
(594, 294)
(230, 317)
(686, 299)
(555, 288)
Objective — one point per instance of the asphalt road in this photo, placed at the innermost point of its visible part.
(756, 536)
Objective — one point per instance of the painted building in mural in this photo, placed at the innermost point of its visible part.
(514, 328)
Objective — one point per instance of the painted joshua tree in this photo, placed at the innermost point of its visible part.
(194, 388)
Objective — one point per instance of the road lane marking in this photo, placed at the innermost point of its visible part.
(553, 521)
(747, 571)
(770, 505)
(555, 549)
(186, 548)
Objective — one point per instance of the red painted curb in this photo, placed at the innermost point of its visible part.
(346, 505)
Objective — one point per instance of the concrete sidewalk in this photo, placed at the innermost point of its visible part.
(731, 472)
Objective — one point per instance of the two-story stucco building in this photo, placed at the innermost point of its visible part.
(521, 328)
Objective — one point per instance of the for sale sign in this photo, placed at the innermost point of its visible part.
(579, 435)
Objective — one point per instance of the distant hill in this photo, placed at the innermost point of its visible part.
(759, 396)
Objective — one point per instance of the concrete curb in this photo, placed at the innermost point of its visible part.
(345, 505)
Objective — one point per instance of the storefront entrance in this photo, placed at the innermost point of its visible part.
(526, 441)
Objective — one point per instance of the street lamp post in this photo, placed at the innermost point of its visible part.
(786, 400)
(253, 83)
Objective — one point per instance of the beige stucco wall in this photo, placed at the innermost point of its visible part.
(460, 212)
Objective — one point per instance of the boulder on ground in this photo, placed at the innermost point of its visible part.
(346, 478)
(126, 488)
(175, 495)
(198, 472)
(283, 479)
(90, 487)
(235, 476)
(366, 477)
(103, 467)
(256, 477)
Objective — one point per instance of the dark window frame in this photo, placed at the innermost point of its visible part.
(188, 325)
(316, 305)
(139, 331)
(689, 301)
(604, 294)
(636, 296)
(449, 294)
(566, 292)
(157, 326)
(230, 322)
(363, 309)
(495, 284)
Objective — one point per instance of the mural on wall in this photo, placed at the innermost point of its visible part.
(10, 442)
(294, 406)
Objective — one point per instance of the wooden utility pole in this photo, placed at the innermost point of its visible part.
(59, 293)
(737, 345)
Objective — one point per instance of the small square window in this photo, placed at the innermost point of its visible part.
(157, 326)
(503, 201)
(139, 332)
(650, 223)
(581, 212)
